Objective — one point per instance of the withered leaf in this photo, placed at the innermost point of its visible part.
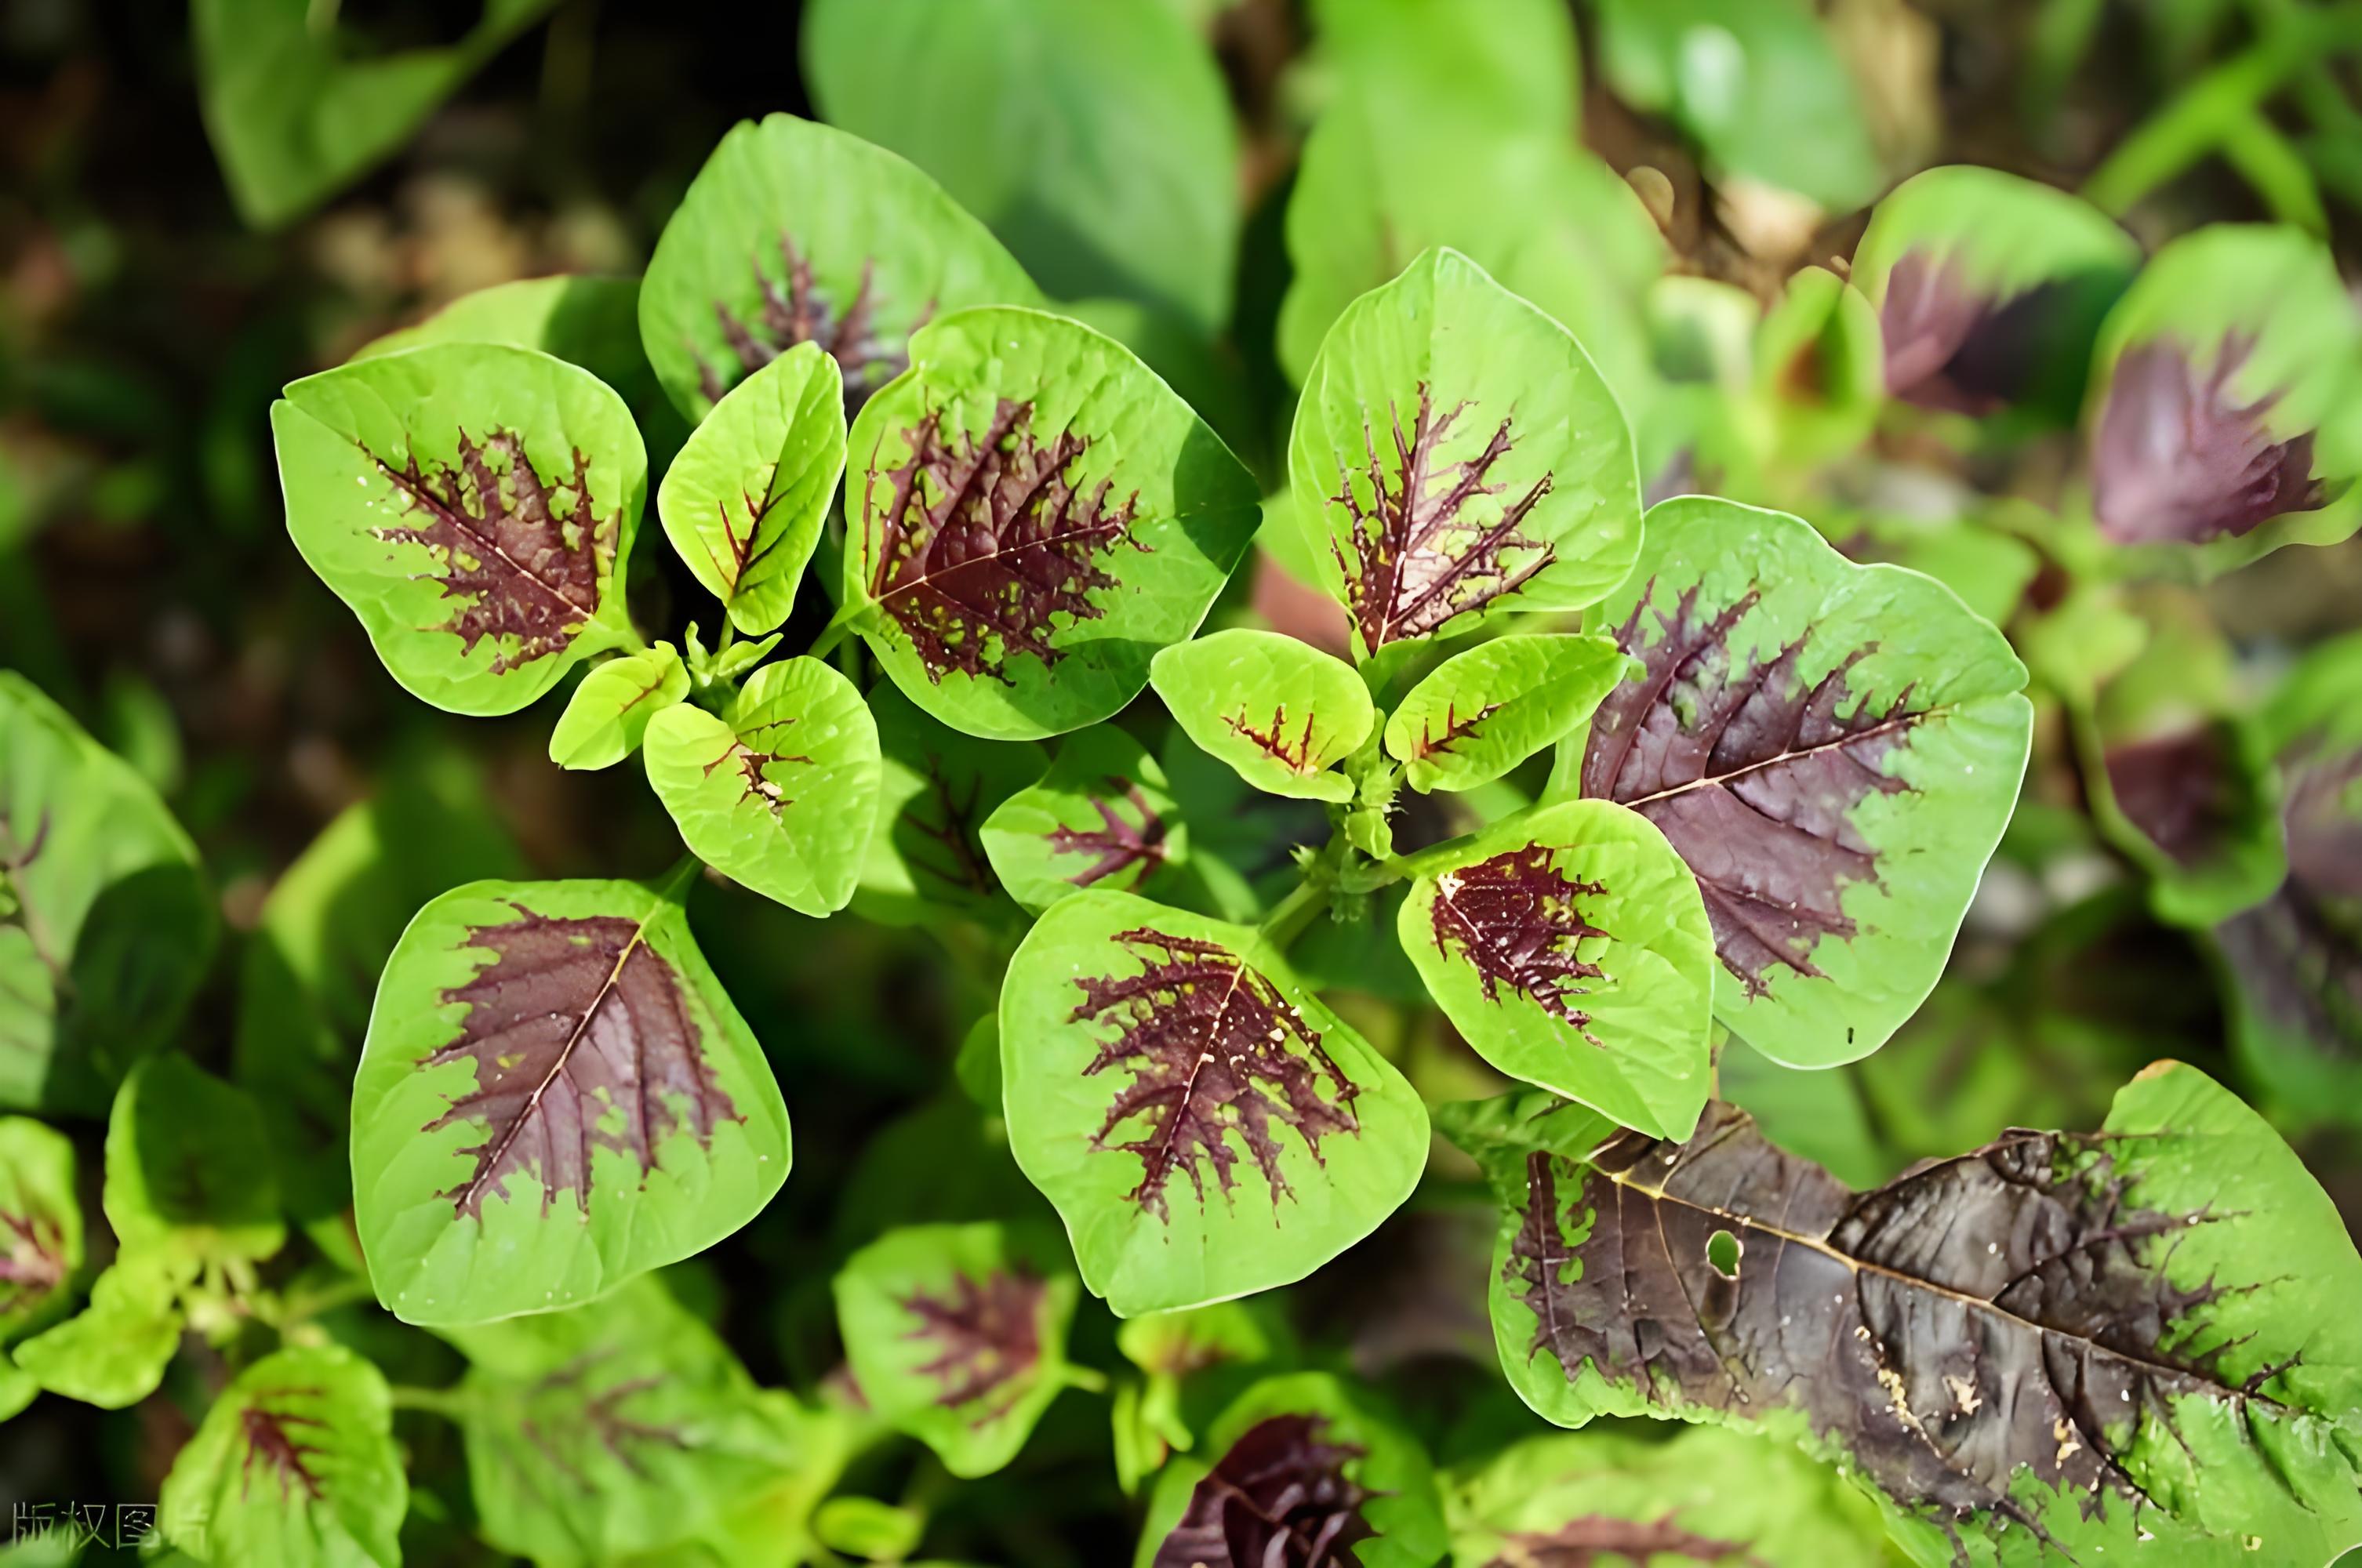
(2177, 458)
(1278, 1498)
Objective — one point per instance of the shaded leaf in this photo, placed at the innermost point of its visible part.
(608, 715)
(189, 1169)
(1483, 711)
(1101, 817)
(1282, 713)
(938, 789)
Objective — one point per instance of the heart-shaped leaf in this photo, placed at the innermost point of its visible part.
(1204, 1125)
(555, 1095)
(1039, 514)
(106, 925)
(957, 1334)
(474, 504)
(1279, 712)
(608, 715)
(1456, 455)
(1569, 947)
(295, 1463)
(938, 789)
(2056, 1346)
(744, 502)
(1833, 748)
(1483, 711)
(780, 791)
(797, 233)
(1101, 818)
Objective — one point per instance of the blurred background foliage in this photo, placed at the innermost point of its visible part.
(197, 207)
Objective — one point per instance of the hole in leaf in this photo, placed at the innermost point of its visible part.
(1722, 1252)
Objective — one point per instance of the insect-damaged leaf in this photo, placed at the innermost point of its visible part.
(1990, 288)
(797, 233)
(1296, 1473)
(105, 922)
(1569, 947)
(1038, 514)
(295, 1463)
(1833, 748)
(474, 503)
(2057, 1344)
(608, 715)
(555, 1095)
(1204, 1125)
(1455, 455)
(957, 1334)
(1101, 817)
(1483, 711)
(1279, 712)
(744, 502)
(780, 791)
(938, 789)
(2223, 413)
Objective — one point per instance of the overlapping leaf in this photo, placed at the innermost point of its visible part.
(1101, 817)
(555, 1095)
(938, 787)
(1833, 748)
(608, 715)
(1281, 713)
(41, 1241)
(1204, 1124)
(1483, 711)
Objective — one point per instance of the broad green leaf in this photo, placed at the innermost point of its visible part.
(621, 1427)
(958, 1335)
(1279, 712)
(1990, 288)
(608, 715)
(1093, 136)
(1039, 514)
(190, 1170)
(2063, 1344)
(1701, 1496)
(311, 963)
(937, 789)
(1756, 83)
(294, 118)
(1460, 457)
(2223, 413)
(555, 1094)
(40, 1228)
(474, 504)
(797, 233)
(1452, 124)
(112, 1353)
(106, 925)
(777, 1522)
(868, 1528)
(744, 502)
(1140, 1046)
(1296, 1459)
(779, 793)
(1101, 817)
(1569, 947)
(1833, 748)
(294, 1464)
(1483, 711)
(1988, 569)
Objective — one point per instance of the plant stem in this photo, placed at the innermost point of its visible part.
(451, 1404)
(1289, 917)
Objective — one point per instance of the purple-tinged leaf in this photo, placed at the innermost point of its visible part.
(1278, 1498)
(2178, 458)
(795, 310)
(1595, 1540)
(982, 1333)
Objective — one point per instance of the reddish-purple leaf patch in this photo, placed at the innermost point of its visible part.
(1291, 751)
(1279, 1498)
(602, 1420)
(1954, 347)
(804, 313)
(2176, 460)
(985, 1334)
(1116, 846)
(1517, 919)
(274, 1439)
(2180, 790)
(1597, 1541)
(32, 1260)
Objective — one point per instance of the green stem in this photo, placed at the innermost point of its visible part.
(835, 631)
(1289, 917)
(451, 1404)
(676, 881)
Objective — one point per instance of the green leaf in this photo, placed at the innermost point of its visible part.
(1454, 125)
(40, 1227)
(744, 502)
(1310, 1461)
(1140, 1046)
(112, 1353)
(1483, 711)
(2060, 1345)
(1101, 817)
(1755, 83)
(781, 791)
(608, 715)
(1990, 288)
(1093, 136)
(1819, 368)
(106, 925)
(868, 1528)
(312, 964)
(189, 1167)
(1460, 457)
(474, 504)
(796, 233)
(937, 790)
(1031, 605)
(295, 1463)
(619, 1428)
(2223, 413)
(1702, 1497)
(555, 1094)
(1280, 712)
(1834, 749)
(1571, 948)
(958, 1335)
(294, 118)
